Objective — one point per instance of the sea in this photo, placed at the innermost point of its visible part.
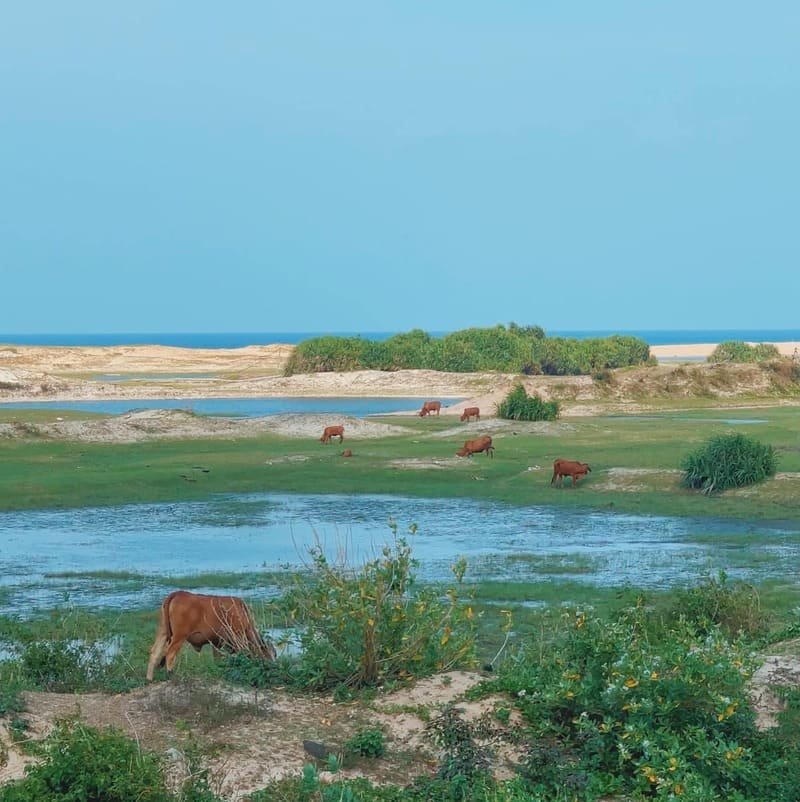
(242, 339)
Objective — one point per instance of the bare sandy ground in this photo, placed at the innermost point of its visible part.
(32, 373)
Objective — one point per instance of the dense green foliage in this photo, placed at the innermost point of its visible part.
(738, 351)
(631, 706)
(726, 461)
(518, 405)
(373, 625)
(512, 349)
(81, 763)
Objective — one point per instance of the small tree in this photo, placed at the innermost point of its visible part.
(726, 461)
(367, 625)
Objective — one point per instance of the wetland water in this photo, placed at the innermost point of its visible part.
(55, 557)
(240, 407)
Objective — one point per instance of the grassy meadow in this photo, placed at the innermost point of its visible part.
(634, 462)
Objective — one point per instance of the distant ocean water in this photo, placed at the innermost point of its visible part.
(242, 339)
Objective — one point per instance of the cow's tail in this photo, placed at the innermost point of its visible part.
(163, 637)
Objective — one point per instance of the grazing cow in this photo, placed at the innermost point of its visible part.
(471, 412)
(476, 446)
(195, 618)
(332, 431)
(430, 407)
(567, 467)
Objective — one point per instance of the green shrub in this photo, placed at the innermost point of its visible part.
(726, 461)
(734, 607)
(626, 713)
(512, 349)
(366, 626)
(738, 351)
(518, 405)
(81, 763)
(367, 743)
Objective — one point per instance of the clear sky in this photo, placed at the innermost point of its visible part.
(374, 166)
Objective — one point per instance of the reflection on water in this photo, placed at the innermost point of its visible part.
(252, 533)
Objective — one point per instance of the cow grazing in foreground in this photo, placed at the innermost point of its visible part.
(476, 446)
(429, 407)
(471, 412)
(567, 467)
(332, 431)
(195, 618)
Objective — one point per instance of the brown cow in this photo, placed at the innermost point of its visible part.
(471, 412)
(429, 407)
(476, 446)
(195, 618)
(567, 467)
(332, 431)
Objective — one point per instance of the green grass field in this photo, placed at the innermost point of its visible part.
(634, 464)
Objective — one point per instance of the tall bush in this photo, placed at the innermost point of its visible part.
(362, 627)
(518, 405)
(726, 461)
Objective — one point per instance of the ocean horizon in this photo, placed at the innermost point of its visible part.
(214, 340)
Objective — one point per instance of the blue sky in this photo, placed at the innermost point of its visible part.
(385, 166)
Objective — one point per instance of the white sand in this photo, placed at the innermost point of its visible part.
(702, 350)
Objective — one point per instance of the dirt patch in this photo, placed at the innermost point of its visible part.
(254, 737)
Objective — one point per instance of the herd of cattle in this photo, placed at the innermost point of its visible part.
(227, 624)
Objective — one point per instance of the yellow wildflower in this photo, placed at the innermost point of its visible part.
(631, 682)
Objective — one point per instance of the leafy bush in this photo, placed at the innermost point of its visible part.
(512, 349)
(518, 405)
(734, 607)
(726, 461)
(622, 712)
(738, 351)
(368, 743)
(461, 755)
(81, 763)
(370, 625)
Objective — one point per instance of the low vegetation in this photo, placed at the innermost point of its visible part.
(726, 461)
(645, 700)
(512, 349)
(738, 351)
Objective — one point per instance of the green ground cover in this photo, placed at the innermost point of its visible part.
(634, 463)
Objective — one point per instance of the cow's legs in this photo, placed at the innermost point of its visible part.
(156, 654)
(172, 653)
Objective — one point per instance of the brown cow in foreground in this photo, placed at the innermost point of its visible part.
(567, 467)
(332, 431)
(476, 446)
(429, 407)
(195, 618)
(471, 412)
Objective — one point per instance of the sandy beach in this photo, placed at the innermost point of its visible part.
(703, 350)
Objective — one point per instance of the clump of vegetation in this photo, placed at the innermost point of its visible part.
(364, 627)
(518, 405)
(739, 351)
(367, 743)
(727, 461)
(732, 606)
(512, 349)
(628, 708)
(79, 762)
